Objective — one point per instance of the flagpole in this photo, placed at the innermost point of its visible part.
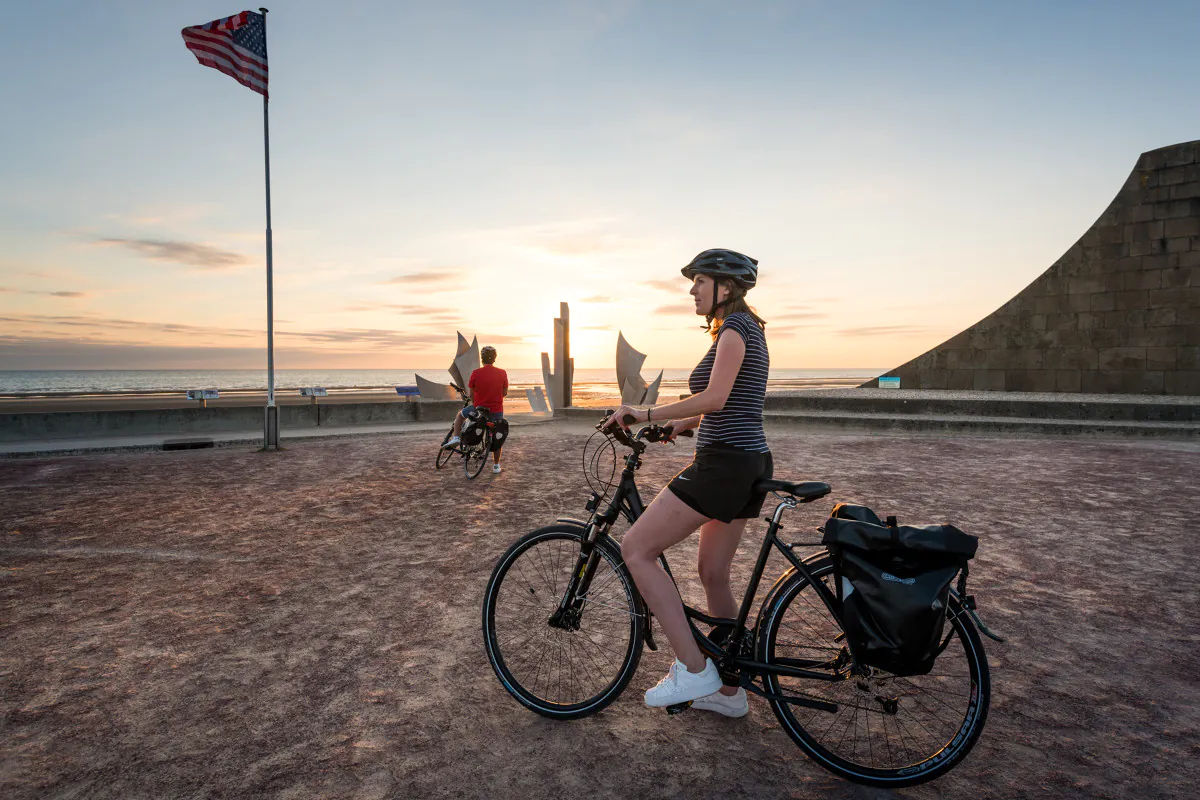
(271, 433)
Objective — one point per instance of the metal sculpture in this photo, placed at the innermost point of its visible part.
(634, 390)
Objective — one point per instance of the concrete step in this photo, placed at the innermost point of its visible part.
(976, 424)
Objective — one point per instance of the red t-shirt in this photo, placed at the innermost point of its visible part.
(488, 385)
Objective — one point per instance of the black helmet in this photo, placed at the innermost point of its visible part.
(488, 354)
(742, 270)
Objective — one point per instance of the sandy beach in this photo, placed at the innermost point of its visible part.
(306, 623)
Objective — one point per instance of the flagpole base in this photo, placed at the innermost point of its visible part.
(271, 428)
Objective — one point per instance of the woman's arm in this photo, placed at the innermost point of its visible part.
(731, 351)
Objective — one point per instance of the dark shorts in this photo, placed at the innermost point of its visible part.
(718, 483)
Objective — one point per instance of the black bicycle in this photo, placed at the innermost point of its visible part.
(564, 628)
(475, 440)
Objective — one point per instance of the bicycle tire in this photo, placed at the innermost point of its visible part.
(444, 453)
(603, 634)
(956, 737)
(474, 458)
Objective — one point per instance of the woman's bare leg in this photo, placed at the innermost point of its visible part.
(666, 522)
(718, 544)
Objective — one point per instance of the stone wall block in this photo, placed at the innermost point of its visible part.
(1184, 191)
(1187, 357)
(1177, 278)
(1160, 358)
(1165, 336)
(1072, 358)
(1152, 247)
(1144, 231)
(1181, 155)
(1123, 382)
(1122, 358)
(1099, 253)
(1143, 279)
(988, 380)
(960, 379)
(1102, 302)
(1030, 380)
(1181, 245)
(1185, 382)
(1109, 234)
(1157, 317)
(1067, 380)
(1105, 337)
(1128, 301)
(933, 379)
(1175, 209)
(1186, 226)
(1127, 263)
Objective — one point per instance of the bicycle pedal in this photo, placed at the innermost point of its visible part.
(679, 708)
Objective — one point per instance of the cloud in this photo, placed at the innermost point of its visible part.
(672, 308)
(668, 285)
(194, 255)
(597, 328)
(598, 298)
(407, 308)
(441, 276)
(8, 290)
(887, 330)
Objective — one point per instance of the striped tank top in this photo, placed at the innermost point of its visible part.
(739, 423)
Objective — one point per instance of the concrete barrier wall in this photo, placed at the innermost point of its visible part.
(222, 419)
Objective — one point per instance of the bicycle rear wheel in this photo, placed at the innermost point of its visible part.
(561, 671)
(444, 453)
(888, 731)
(476, 456)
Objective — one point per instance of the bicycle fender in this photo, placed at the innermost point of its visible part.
(572, 521)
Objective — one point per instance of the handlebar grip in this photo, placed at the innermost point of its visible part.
(689, 432)
(628, 419)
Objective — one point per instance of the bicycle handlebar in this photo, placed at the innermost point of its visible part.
(650, 433)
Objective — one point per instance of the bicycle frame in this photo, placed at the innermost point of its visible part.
(626, 501)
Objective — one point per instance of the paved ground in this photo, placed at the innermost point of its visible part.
(224, 623)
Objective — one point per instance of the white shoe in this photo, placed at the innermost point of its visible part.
(453, 441)
(731, 705)
(495, 468)
(680, 686)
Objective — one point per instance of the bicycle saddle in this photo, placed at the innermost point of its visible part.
(805, 491)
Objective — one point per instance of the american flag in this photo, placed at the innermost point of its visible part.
(235, 45)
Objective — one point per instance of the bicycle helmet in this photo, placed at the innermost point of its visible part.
(719, 263)
(488, 354)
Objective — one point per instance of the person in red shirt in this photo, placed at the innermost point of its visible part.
(486, 388)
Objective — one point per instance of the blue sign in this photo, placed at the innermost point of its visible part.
(408, 391)
(889, 383)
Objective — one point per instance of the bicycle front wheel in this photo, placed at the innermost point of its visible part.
(562, 666)
(887, 730)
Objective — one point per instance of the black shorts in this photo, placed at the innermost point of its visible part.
(718, 483)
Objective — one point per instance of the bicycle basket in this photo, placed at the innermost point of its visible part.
(893, 582)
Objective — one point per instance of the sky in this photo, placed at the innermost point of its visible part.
(900, 170)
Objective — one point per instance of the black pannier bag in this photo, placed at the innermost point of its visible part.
(500, 434)
(893, 582)
(472, 431)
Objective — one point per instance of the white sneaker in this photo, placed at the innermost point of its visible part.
(680, 686)
(453, 441)
(731, 705)
(495, 468)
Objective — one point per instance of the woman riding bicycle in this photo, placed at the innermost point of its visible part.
(714, 494)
